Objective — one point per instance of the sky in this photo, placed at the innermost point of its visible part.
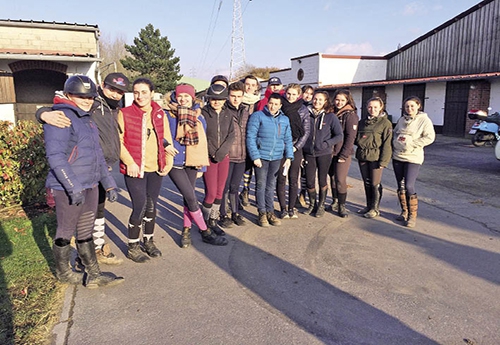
(275, 31)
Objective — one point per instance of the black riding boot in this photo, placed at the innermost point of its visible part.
(312, 202)
(64, 272)
(321, 203)
(375, 199)
(342, 212)
(94, 278)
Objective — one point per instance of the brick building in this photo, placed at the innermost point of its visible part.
(35, 60)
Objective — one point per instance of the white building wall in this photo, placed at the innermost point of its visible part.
(7, 113)
(357, 96)
(495, 95)
(435, 95)
(394, 100)
(350, 70)
(310, 67)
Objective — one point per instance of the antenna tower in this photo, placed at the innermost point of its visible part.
(237, 43)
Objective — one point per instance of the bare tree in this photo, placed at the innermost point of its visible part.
(112, 50)
(260, 72)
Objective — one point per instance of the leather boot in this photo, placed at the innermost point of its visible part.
(94, 278)
(208, 236)
(64, 273)
(312, 202)
(334, 205)
(244, 197)
(320, 211)
(404, 206)
(368, 195)
(213, 220)
(186, 237)
(375, 202)
(150, 247)
(412, 214)
(342, 212)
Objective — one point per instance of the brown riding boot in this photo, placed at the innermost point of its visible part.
(412, 214)
(403, 217)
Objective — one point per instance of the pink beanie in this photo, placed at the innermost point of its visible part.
(185, 88)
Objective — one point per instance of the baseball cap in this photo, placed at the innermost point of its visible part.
(274, 81)
(118, 81)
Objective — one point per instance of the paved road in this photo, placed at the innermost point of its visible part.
(315, 281)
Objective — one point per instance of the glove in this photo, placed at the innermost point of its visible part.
(77, 198)
(112, 195)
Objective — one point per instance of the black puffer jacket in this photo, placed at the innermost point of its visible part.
(220, 132)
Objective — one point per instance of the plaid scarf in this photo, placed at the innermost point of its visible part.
(187, 133)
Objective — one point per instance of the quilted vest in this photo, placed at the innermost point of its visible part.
(135, 134)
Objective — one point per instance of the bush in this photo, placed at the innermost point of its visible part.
(23, 166)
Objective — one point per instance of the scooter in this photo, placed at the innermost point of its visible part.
(486, 129)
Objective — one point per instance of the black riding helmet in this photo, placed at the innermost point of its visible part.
(80, 85)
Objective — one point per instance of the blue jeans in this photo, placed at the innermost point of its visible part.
(266, 184)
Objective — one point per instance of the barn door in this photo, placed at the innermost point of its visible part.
(455, 108)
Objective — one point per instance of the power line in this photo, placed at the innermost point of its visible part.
(205, 52)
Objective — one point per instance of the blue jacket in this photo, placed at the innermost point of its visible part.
(326, 131)
(74, 153)
(269, 137)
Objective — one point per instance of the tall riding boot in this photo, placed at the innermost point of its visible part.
(375, 202)
(368, 194)
(64, 272)
(312, 201)
(335, 204)
(342, 212)
(412, 214)
(404, 205)
(321, 203)
(94, 278)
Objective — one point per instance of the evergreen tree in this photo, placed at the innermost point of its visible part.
(153, 58)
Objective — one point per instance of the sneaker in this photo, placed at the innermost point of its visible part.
(272, 219)
(105, 256)
(263, 219)
(238, 219)
(292, 214)
(150, 248)
(226, 222)
(284, 215)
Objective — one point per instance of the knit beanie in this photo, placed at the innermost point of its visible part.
(185, 88)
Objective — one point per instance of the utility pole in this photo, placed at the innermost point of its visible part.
(237, 43)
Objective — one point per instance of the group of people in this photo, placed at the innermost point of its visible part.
(292, 134)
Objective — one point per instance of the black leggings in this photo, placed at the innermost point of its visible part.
(293, 182)
(338, 174)
(370, 173)
(144, 194)
(320, 164)
(406, 175)
(185, 181)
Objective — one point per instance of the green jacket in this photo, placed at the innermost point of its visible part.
(374, 140)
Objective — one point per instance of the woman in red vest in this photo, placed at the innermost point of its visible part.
(146, 156)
